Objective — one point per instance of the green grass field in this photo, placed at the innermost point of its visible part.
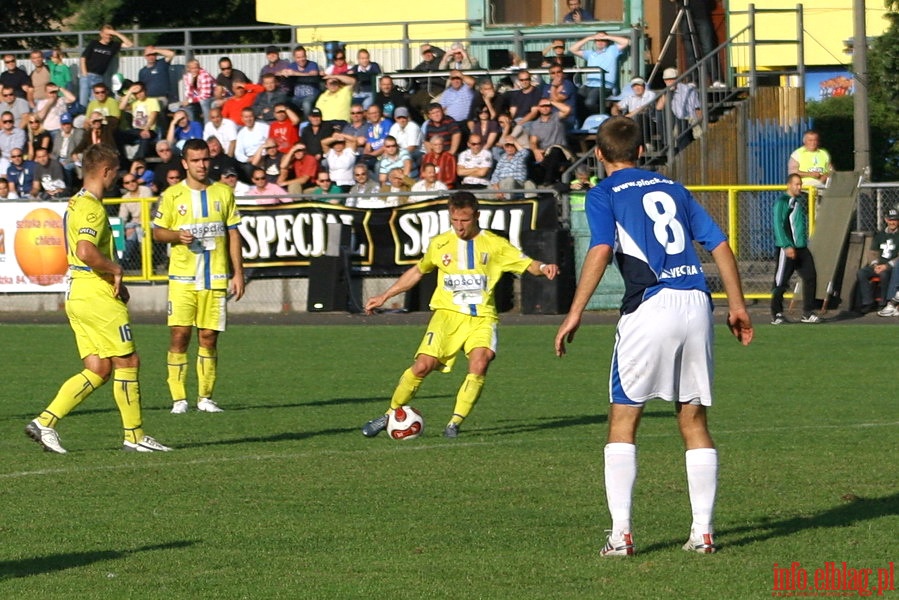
(281, 496)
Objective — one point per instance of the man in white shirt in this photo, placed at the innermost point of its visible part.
(474, 164)
(224, 130)
(252, 135)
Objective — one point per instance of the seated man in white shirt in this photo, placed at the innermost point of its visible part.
(474, 164)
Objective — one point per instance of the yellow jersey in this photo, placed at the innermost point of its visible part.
(469, 270)
(86, 219)
(209, 214)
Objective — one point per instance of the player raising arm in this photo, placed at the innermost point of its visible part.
(663, 342)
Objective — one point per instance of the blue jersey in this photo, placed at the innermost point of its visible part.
(651, 223)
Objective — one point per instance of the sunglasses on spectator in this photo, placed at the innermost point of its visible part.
(358, 174)
(15, 156)
(356, 112)
(6, 120)
(8, 94)
(474, 143)
(390, 145)
(262, 178)
(524, 79)
(10, 61)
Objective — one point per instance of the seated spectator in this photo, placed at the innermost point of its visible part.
(59, 102)
(393, 157)
(106, 105)
(144, 115)
(171, 177)
(325, 188)
(224, 130)
(231, 179)
(7, 193)
(67, 139)
(582, 180)
(298, 169)
(396, 183)
(271, 96)
(11, 138)
(356, 128)
(275, 65)
(252, 135)
(264, 191)
(37, 136)
(444, 126)
(388, 97)
(268, 159)
(576, 13)
(508, 127)
(364, 192)
(485, 127)
(170, 165)
(562, 90)
(339, 66)
(219, 162)
(139, 169)
(444, 161)
(428, 183)
(427, 89)
(183, 128)
(366, 73)
(340, 155)
(375, 134)
(334, 103)
(554, 54)
(474, 164)
(284, 128)
(458, 58)
(457, 98)
(225, 80)
(407, 134)
(511, 170)
(305, 75)
(244, 94)
(199, 87)
(521, 101)
(130, 215)
(637, 102)
(99, 131)
(486, 97)
(882, 258)
(314, 132)
(49, 175)
(20, 174)
(548, 142)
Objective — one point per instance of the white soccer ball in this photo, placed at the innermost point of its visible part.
(405, 423)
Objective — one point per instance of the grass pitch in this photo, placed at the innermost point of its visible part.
(280, 496)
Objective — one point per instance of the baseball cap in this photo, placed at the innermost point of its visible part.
(638, 81)
(893, 214)
(315, 112)
(271, 50)
(669, 73)
(401, 111)
(65, 118)
(229, 171)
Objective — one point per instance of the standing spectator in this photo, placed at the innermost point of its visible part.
(16, 78)
(40, 76)
(457, 97)
(227, 77)
(284, 128)
(790, 226)
(223, 129)
(458, 59)
(20, 174)
(576, 13)
(464, 308)
(684, 107)
(811, 161)
(250, 137)
(364, 191)
(264, 190)
(274, 65)
(599, 86)
(271, 95)
(298, 169)
(334, 103)
(511, 170)
(11, 138)
(145, 112)
(96, 58)
(198, 90)
(444, 161)
(205, 254)
(156, 77)
(427, 89)
(474, 164)
(882, 258)
(548, 142)
(393, 157)
(340, 157)
(49, 177)
(428, 183)
(366, 73)
(96, 303)
(60, 73)
(305, 75)
(389, 98)
(663, 344)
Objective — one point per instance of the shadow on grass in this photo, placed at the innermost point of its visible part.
(284, 436)
(853, 510)
(550, 423)
(40, 565)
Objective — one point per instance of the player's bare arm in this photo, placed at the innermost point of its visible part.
(406, 282)
(238, 285)
(539, 269)
(595, 263)
(172, 236)
(737, 318)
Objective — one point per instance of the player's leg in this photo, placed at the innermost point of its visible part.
(809, 276)
(702, 475)
(126, 391)
(480, 345)
(620, 456)
(782, 274)
(211, 319)
(182, 311)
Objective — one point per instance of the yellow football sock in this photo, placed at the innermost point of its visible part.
(206, 364)
(405, 389)
(126, 390)
(467, 397)
(70, 394)
(177, 364)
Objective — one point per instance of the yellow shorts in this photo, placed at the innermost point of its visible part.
(448, 332)
(203, 309)
(99, 319)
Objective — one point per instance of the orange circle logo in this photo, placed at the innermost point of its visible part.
(40, 247)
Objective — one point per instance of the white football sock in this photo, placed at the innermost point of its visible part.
(620, 474)
(702, 480)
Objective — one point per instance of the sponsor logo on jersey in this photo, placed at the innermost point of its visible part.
(446, 259)
(681, 271)
(182, 209)
(88, 231)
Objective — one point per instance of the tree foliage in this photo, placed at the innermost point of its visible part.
(29, 16)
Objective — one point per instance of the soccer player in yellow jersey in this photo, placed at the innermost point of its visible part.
(96, 307)
(199, 219)
(470, 262)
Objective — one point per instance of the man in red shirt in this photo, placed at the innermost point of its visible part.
(444, 161)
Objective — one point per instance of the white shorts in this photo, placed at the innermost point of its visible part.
(664, 350)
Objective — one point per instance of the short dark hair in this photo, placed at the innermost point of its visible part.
(619, 139)
(194, 145)
(463, 200)
(793, 176)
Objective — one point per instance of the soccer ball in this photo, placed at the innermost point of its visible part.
(405, 423)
